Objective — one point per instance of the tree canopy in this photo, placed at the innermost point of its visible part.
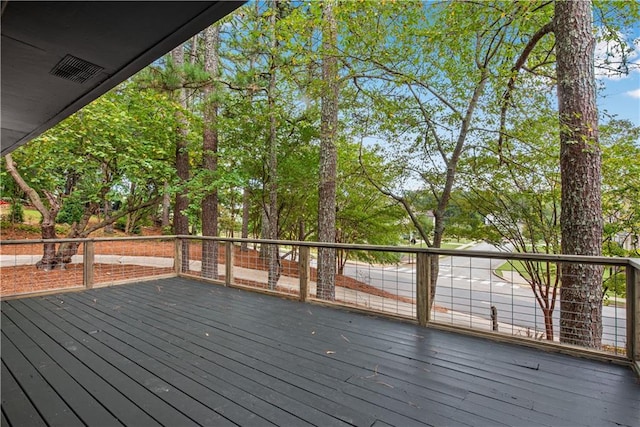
(346, 121)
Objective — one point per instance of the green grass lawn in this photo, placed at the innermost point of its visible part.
(32, 216)
(454, 244)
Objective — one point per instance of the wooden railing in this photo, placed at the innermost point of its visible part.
(403, 290)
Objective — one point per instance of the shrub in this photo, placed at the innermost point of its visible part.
(72, 211)
(16, 214)
(121, 225)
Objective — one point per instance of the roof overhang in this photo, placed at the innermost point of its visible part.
(94, 45)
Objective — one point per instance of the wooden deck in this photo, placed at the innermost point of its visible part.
(178, 352)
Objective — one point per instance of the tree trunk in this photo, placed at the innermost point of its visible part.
(48, 260)
(245, 219)
(107, 215)
(193, 54)
(328, 156)
(131, 217)
(580, 164)
(180, 219)
(264, 231)
(548, 323)
(48, 226)
(166, 206)
(273, 257)
(210, 154)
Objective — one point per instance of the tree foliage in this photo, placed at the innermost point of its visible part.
(444, 119)
(113, 151)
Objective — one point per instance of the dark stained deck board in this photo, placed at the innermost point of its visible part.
(463, 346)
(107, 364)
(308, 411)
(141, 352)
(88, 409)
(520, 371)
(43, 397)
(14, 401)
(274, 377)
(165, 379)
(555, 405)
(231, 390)
(423, 400)
(439, 419)
(99, 388)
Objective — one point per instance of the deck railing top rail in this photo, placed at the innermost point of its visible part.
(85, 239)
(583, 259)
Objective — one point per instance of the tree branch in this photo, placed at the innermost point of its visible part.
(520, 62)
(399, 199)
(33, 195)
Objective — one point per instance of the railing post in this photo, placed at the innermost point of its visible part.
(88, 258)
(303, 271)
(633, 313)
(177, 257)
(228, 263)
(423, 285)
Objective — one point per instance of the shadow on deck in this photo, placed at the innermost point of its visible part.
(179, 352)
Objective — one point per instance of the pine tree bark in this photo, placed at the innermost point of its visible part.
(273, 257)
(244, 247)
(328, 156)
(166, 206)
(210, 154)
(180, 219)
(580, 169)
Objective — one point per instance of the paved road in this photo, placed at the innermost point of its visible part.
(469, 285)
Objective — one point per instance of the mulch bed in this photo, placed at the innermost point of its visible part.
(27, 278)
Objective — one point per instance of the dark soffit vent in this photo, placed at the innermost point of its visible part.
(75, 69)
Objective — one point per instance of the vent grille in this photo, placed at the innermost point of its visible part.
(75, 69)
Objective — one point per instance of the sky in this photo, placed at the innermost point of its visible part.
(620, 94)
(622, 97)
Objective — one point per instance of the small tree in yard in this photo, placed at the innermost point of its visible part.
(516, 188)
(116, 143)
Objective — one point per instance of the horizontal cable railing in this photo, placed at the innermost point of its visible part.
(542, 299)
(83, 263)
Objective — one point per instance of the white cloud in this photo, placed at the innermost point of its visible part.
(633, 93)
(610, 60)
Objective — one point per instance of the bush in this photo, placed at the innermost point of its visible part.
(72, 211)
(615, 283)
(20, 227)
(121, 225)
(16, 214)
